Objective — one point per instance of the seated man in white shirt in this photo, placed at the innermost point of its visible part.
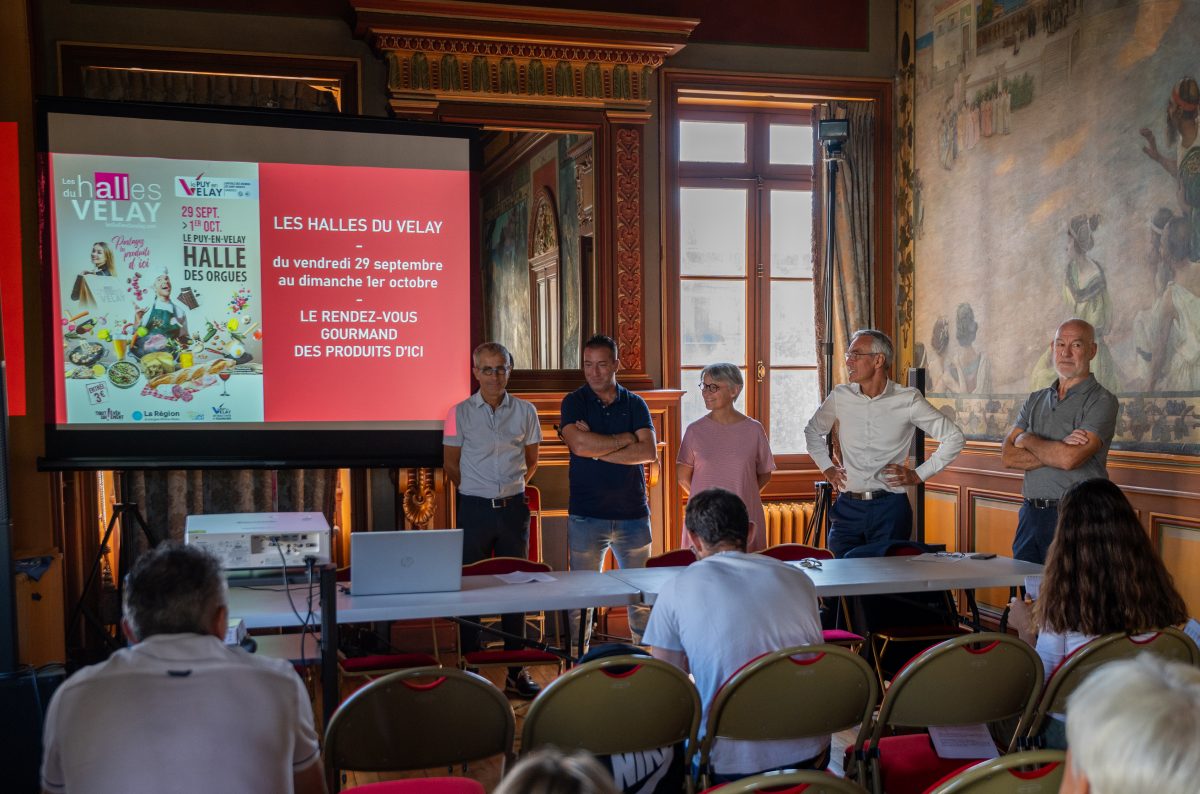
(178, 711)
(726, 609)
(1134, 725)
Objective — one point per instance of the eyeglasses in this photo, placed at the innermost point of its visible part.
(490, 371)
(810, 562)
(709, 388)
(856, 354)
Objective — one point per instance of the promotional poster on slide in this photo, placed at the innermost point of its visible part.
(194, 292)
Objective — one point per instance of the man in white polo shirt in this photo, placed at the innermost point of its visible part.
(719, 613)
(490, 451)
(179, 711)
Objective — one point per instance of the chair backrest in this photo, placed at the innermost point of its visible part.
(794, 693)
(1170, 643)
(417, 719)
(809, 781)
(619, 704)
(495, 565)
(672, 559)
(1030, 772)
(789, 552)
(974, 678)
(533, 497)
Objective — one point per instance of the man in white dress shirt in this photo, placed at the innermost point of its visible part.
(490, 453)
(876, 419)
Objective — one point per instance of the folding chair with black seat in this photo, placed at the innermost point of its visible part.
(523, 657)
(976, 679)
(792, 781)
(1170, 643)
(619, 704)
(794, 693)
(793, 552)
(418, 719)
(1030, 772)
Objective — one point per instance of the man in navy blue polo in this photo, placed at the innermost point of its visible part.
(610, 435)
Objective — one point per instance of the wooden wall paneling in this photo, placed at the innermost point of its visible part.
(941, 516)
(1178, 541)
(993, 523)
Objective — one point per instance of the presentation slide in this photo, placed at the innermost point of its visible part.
(266, 292)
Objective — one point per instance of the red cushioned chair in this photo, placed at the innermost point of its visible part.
(526, 657)
(809, 781)
(1031, 772)
(791, 552)
(376, 665)
(795, 693)
(421, 785)
(678, 558)
(980, 678)
(1170, 643)
(427, 718)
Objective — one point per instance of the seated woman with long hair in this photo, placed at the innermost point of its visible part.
(1102, 576)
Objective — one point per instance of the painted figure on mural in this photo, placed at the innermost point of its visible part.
(1167, 335)
(1085, 293)
(1181, 131)
(969, 371)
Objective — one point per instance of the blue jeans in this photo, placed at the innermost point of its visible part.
(629, 539)
(1035, 531)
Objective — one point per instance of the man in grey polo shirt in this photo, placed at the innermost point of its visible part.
(490, 452)
(1061, 437)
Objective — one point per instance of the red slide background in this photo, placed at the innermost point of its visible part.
(364, 388)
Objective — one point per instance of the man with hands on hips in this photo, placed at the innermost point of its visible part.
(876, 419)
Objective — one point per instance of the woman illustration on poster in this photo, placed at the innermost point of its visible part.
(103, 264)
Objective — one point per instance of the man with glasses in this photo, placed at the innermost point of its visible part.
(1061, 437)
(876, 420)
(491, 450)
(610, 435)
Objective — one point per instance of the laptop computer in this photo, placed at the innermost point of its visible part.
(414, 561)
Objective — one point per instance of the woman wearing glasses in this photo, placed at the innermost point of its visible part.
(1103, 575)
(727, 449)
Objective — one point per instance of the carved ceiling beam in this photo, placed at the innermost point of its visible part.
(445, 50)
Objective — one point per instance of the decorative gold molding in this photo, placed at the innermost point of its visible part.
(481, 52)
(420, 500)
(907, 184)
(629, 245)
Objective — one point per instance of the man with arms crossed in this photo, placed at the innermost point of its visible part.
(1061, 437)
(877, 419)
(716, 615)
(178, 710)
(610, 435)
(490, 453)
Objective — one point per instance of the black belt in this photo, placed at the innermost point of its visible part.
(496, 504)
(1042, 504)
(866, 496)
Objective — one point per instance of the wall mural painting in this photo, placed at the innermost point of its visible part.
(1058, 175)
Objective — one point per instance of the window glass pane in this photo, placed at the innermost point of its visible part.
(712, 317)
(712, 232)
(791, 144)
(793, 402)
(713, 141)
(793, 332)
(791, 233)
(692, 404)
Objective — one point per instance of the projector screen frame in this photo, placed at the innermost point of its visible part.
(229, 448)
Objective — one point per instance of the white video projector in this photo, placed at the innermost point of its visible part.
(254, 540)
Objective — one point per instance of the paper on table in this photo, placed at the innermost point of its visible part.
(1032, 585)
(521, 577)
(963, 741)
(1192, 629)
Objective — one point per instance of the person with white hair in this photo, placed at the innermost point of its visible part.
(1134, 725)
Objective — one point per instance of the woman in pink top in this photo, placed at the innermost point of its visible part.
(727, 449)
